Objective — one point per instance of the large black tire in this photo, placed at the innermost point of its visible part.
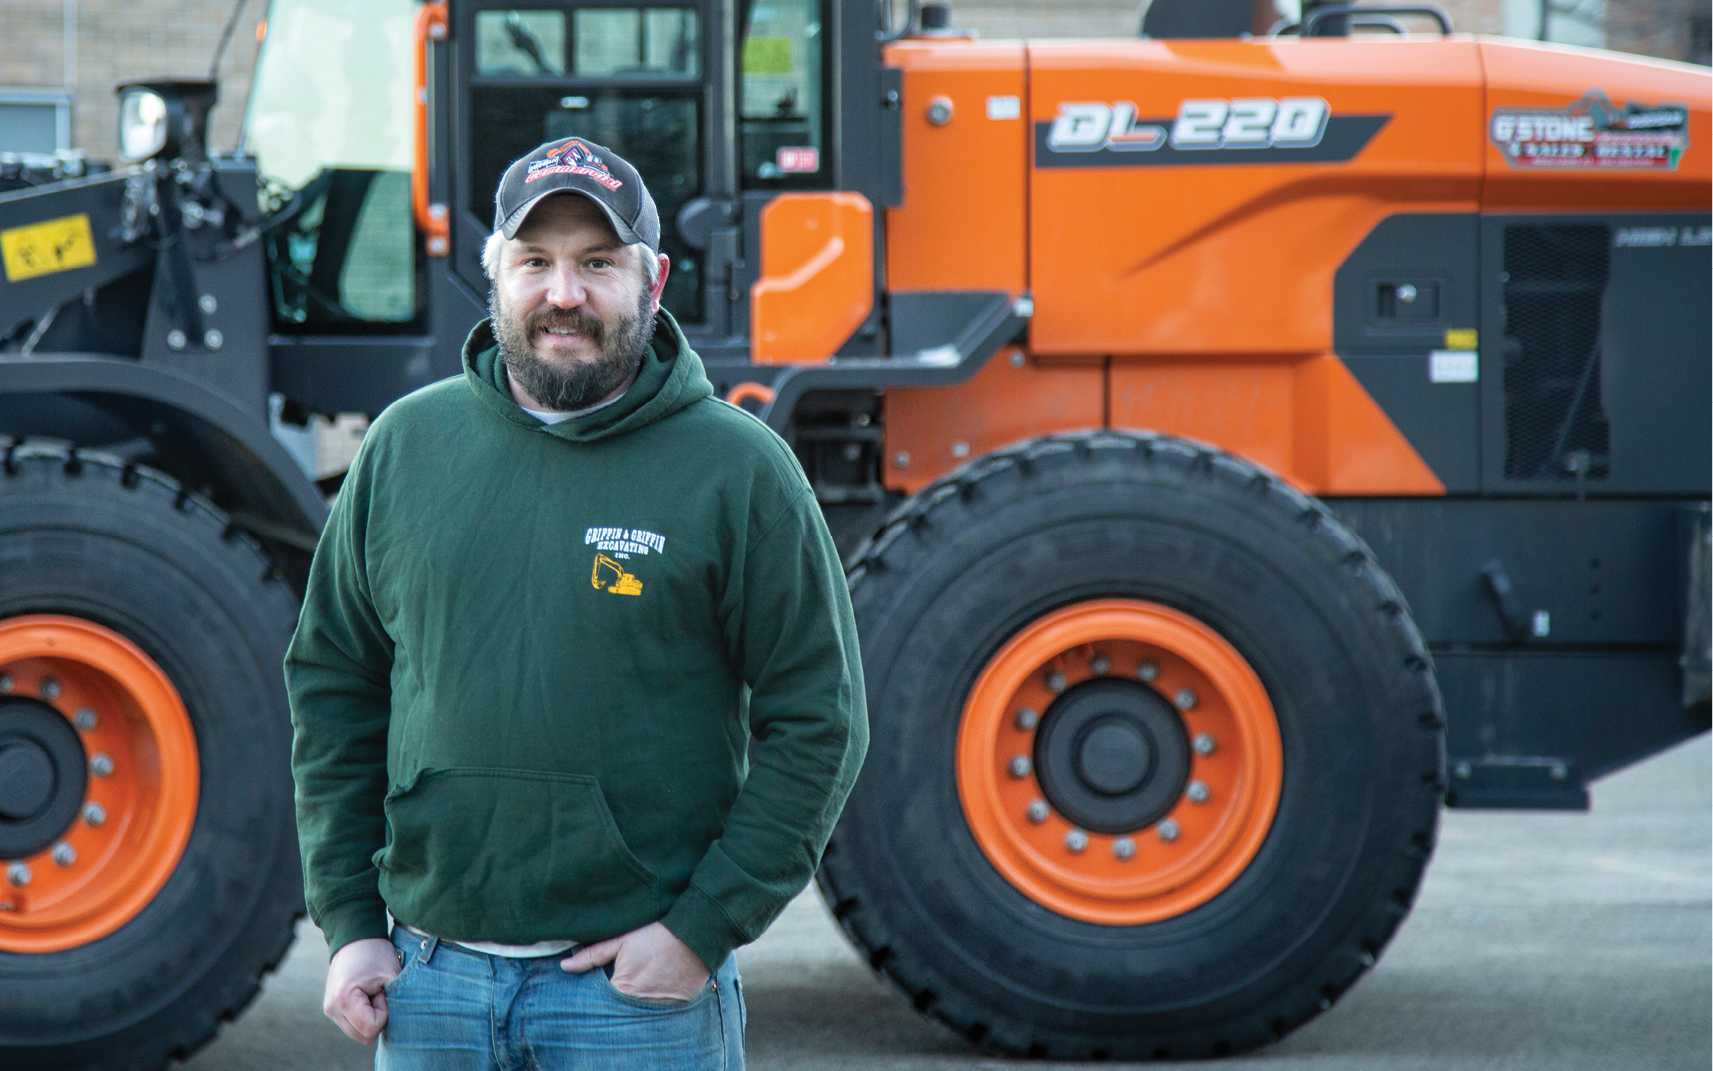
(962, 567)
(126, 548)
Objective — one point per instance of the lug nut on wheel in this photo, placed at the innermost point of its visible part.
(1197, 792)
(49, 688)
(1204, 744)
(101, 764)
(1169, 830)
(1185, 699)
(1027, 719)
(18, 874)
(1124, 848)
(1147, 671)
(94, 814)
(84, 719)
(1038, 811)
(1020, 766)
(1076, 840)
(1055, 681)
(64, 854)
(1100, 664)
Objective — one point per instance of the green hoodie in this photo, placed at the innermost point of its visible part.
(531, 659)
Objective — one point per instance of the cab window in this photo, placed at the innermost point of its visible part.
(783, 90)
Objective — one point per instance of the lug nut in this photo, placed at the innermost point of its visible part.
(94, 814)
(1124, 847)
(1169, 830)
(18, 874)
(175, 339)
(1020, 766)
(5, 683)
(1027, 719)
(101, 764)
(1185, 699)
(1100, 664)
(49, 688)
(1197, 792)
(84, 719)
(1147, 671)
(1055, 681)
(1038, 811)
(1204, 744)
(1076, 840)
(64, 854)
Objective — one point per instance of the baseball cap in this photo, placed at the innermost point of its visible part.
(573, 165)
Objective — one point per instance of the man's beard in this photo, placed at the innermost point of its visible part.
(581, 383)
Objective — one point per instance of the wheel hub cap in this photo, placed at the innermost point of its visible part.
(1112, 756)
(41, 776)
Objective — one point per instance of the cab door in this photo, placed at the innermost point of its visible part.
(643, 79)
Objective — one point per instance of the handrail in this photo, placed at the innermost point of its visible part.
(433, 220)
(1336, 11)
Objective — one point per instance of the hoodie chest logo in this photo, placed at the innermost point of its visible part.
(616, 553)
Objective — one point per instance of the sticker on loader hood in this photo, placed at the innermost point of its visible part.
(1592, 134)
(1206, 130)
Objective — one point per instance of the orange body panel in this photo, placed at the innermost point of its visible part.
(1527, 76)
(1221, 259)
(962, 223)
(1197, 291)
(1307, 419)
(817, 276)
(936, 429)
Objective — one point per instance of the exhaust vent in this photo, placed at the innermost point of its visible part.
(1555, 422)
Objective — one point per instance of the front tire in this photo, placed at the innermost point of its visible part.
(132, 613)
(1156, 753)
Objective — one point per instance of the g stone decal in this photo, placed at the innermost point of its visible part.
(1253, 130)
(1592, 134)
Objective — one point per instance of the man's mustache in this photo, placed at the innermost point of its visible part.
(565, 320)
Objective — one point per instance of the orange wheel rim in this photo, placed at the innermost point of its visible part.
(1210, 833)
(140, 799)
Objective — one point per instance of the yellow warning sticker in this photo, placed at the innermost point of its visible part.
(1462, 338)
(44, 248)
(767, 55)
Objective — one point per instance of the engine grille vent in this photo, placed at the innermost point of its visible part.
(1555, 424)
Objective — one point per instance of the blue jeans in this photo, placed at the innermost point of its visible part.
(451, 1009)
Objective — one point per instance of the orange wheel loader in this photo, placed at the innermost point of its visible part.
(1244, 440)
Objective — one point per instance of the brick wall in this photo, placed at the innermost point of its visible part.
(116, 41)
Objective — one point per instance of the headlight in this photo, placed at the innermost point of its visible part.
(142, 125)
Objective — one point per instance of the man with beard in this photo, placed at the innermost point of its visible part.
(557, 598)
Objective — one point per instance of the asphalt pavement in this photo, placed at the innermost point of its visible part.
(1557, 942)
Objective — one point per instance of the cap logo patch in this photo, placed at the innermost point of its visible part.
(573, 158)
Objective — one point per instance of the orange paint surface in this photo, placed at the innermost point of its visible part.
(1227, 259)
(961, 226)
(1305, 418)
(817, 276)
(1000, 405)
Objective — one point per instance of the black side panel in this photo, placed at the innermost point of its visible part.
(1394, 299)
(1595, 712)
(1594, 681)
(1595, 335)
(1606, 573)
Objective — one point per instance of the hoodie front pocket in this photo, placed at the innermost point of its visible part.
(499, 854)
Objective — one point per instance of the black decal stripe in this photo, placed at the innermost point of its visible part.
(1345, 136)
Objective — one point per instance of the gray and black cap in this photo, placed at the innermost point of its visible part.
(573, 165)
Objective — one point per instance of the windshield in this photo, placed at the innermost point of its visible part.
(331, 126)
(332, 89)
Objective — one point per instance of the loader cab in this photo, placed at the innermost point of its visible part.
(723, 105)
(720, 104)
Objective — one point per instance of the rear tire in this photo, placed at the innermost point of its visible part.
(121, 551)
(1157, 529)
